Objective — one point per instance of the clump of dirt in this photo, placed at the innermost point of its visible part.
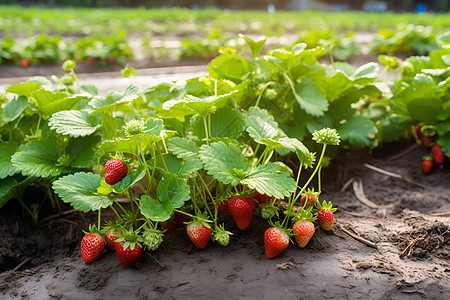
(424, 239)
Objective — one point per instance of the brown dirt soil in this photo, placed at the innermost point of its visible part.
(397, 249)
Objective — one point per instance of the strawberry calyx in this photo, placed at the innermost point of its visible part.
(304, 215)
(325, 205)
(199, 220)
(130, 239)
(93, 229)
(427, 157)
(278, 225)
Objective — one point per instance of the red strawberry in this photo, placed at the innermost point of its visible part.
(115, 171)
(242, 210)
(90, 61)
(222, 207)
(24, 63)
(310, 198)
(127, 253)
(92, 246)
(428, 140)
(181, 219)
(427, 164)
(325, 215)
(304, 227)
(275, 241)
(169, 226)
(438, 155)
(199, 234)
(263, 198)
(304, 230)
(110, 237)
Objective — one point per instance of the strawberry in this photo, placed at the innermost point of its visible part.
(325, 215)
(90, 61)
(428, 140)
(181, 219)
(110, 237)
(198, 233)
(128, 253)
(275, 241)
(92, 245)
(263, 198)
(115, 171)
(222, 207)
(310, 198)
(24, 63)
(242, 210)
(169, 226)
(437, 154)
(304, 227)
(427, 164)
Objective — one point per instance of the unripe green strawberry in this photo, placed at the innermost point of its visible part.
(275, 241)
(115, 171)
(92, 246)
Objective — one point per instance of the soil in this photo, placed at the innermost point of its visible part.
(393, 245)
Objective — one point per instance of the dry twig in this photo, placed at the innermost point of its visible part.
(359, 193)
(395, 175)
(358, 238)
(411, 245)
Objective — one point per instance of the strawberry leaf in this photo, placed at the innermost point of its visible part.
(24, 88)
(267, 179)
(261, 125)
(129, 180)
(183, 147)
(13, 109)
(6, 167)
(231, 67)
(225, 123)
(310, 99)
(80, 191)
(172, 192)
(208, 105)
(224, 162)
(255, 46)
(10, 188)
(113, 98)
(74, 123)
(82, 151)
(358, 131)
(38, 158)
(51, 102)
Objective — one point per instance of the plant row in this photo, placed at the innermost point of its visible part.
(31, 21)
(53, 49)
(252, 128)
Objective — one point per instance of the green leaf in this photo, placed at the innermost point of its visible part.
(82, 151)
(225, 123)
(425, 109)
(369, 70)
(208, 105)
(14, 108)
(267, 179)
(310, 98)
(24, 88)
(74, 123)
(49, 102)
(358, 131)
(38, 158)
(90, 89)
(172, 192)
(126, 145)
(80, 191)
(10, 188)
(224, 162)
(104, 188)
(113, 98)
(129, 180)
(255, 46)
(231, 67)
(183, 147)
(6, 167)
(154, 126)
(261, 125)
